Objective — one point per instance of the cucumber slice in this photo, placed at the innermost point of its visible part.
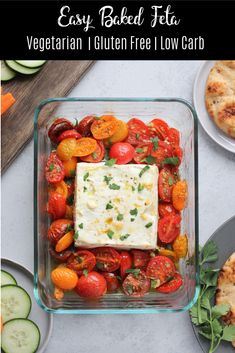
(15, 302)
(7, 278)
(6, 73)
(31, 63)
(20, 336)
(21, 69)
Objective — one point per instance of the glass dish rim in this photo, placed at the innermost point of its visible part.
(35, 137)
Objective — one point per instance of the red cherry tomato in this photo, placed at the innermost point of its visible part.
(97, 155)
(165, 184)
(166, 209)
(126, 263)
(142, 150)
(173, 285)
(169, 228)
(56, 205)
(159, 128)
(173, 137)
(107, 259)
(69, 134)
(58, 126)
(163, 151)
(161, 269)
(81, 260)
(59, 228)
(84, 126)
(54, 170)
(123, 152)
(136, 285)
(60, 256)
(112, 282)
(140, 258)
(138, 132)
(92, 286)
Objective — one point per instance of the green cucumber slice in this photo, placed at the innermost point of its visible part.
(7, 278)
(15, 302)
(20, 336)
(31, 63)
(21, 69)
(6, 73)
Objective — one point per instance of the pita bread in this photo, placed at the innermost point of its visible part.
(220, 96)
(225, 293)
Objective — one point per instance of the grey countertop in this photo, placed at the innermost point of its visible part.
(168, 333)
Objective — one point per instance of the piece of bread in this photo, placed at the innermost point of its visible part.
(225, 293)
(220, 96)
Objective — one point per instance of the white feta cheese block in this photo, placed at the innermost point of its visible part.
(116, 206)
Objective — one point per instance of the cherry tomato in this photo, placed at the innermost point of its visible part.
(104, 127)
(171, 286)
(64, 278)
(96, 156)
(84, 126)
(66, 148)
(140, 258)
(173, 137)
(159, 128)
(56, 205)
(126, 263)
(65, 242)
(161, 269)
(142, 150)
(92, 286)
(85, 146)
(58, 126)
(169, 228)
(69, 134)
(59, 228)
(166, 209)
(163, 151)
(81, 260)
(123, 152)
(70, 167)
(107, 259)
(180, 195)
(120, 133)
(54, 170)
(138, 132)
(60, 256)
(165, 184)
(112, 282)
(136, 285)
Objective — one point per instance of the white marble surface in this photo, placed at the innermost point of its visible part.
(141, 333)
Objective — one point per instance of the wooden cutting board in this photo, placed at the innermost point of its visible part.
(56, 79)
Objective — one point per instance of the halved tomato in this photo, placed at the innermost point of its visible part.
(56, 206)
(84, 126)
(96, 156)
(173, 285)
(169, 228)
(58, 126)
(163, 151)
(104, 127)
(69, 134)
(119, 135)
(160, 269)
(166, 209)
(138, 132)
(107, 259)
(140, 258)
(54, 170)
(136, 285)
(173, 137)
(65, 149)
(112, 282)
(60, 256)
(84, 147)
(81, 260)
(165, 184)
(142, 150)
(58, 228)
(159, 128)
(126, 263)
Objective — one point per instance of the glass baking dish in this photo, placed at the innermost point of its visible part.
(179, 114)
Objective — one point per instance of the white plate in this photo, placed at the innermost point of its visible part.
(24, 279)
(199, 103)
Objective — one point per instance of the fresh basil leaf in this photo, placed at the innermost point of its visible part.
(110, 162)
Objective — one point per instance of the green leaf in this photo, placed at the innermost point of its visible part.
(85, 176)
(129, 289)
(81, 225)
(134, 212)
(229, 333)
(145, 169)
(210, 292)
(132, 219)
(139, 150)
(85, 272)
(209, 252)
(149, 160)
(154, 283)
(125, 236)
(84, 188)
(220, 310)
(155, 143)
(204, 334)
(110, 234)
(170, 181)
(114, 186)
(68, 228)
(120, 217)
(107, 179)
(110, 162)
(217, 327)
(94, 155)
(109, 206)
(133, 189)
(148, 225)
(99, 265)
(140, 187)
(51, 167)
(106, 155)
(137, 136)
(72, 173)
(194, 315)
(208, 277)
(135, 271)
(70, 200)
(171, 160)
(205, 302)
(76, 235)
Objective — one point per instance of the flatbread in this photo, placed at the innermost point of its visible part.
(225, 293)
(220, 95)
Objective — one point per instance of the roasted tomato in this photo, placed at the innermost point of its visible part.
(66, 148)
(173, 285)
(60, 256)
(70, 167)
(165, 184)
(107, 259)
(126, 263)
(142, 150)
(112, 282)
(169, 228)
(69, 134)
(159, 128)
(96, 156)
(64, 278)
(123, 152)
(138, 132)
(163, 151)
(54, 170)
(173, 137)
(140, 258)
(136, 284)
(160, 269)
(92, 285)
(56, 205)
(180, 195)
(58, 126)
(119, 135)
(85, 146)
(81, 260)
(84, 126)
(104, 127)
(166, 209)
(59, 228)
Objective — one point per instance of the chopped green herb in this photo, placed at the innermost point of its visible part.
(107, 179)
(155, 143)
(81, 225)
(132, 219)
(94, 155)
(51, 167)
(70, 200)
(84, 188)
(134, 212)
(120, 217)
(171, 160)
(148, 225)
(86, 176)
(130, 289)
(68, 228)
(149, 160)
(170, 181)
(109, 206)
(143, 170)
(139, 150)
(135, 271)
(114, 186)
(72, 173)
(99, 265)
(123, 237)
(132, 188)
(76, 235)
(85, 272)
(137, 136)
(119, 278)
(79, 259)
(106, 155)
(154, 283)
(140, 187)
(110, 162)
(76, 123)
(110, 234)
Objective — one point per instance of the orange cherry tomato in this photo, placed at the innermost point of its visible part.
(180, 245)
(179, 195)
(85, 146)
(64, 278)
(104, 127)
(59, 228)
(61, 188)
(56, 206)
(120, 134)
(96, 156)
(69, 212)
(70, 167)
(65, 149)
(65, 241)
